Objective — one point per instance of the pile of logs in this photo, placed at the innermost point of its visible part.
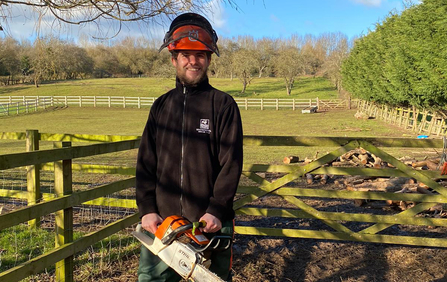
(362, 158)
(391, 185)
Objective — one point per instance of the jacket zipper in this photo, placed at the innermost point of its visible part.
(183, 149)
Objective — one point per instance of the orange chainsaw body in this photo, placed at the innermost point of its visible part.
(173, 222)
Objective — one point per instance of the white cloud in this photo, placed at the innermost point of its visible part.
(215, 13)
(274, 18)
(371, 3)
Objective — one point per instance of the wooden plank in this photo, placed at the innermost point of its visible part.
(46, 156)
(37, 264)
(86, 137)
(101, 201)
(97, 169)
(253, 140)
(33, 175)
(63, 218)
(40, 209)
(353, 217)
(408, 213)
(315, 214)
(344, 194)
(326, 235)
(13, 135)
(383, 172)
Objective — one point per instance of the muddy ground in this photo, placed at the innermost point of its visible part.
(259, 258)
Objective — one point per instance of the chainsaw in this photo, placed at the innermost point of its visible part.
(183, 247)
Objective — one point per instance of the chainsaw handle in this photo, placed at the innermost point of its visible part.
(215, 243)
(171, 237)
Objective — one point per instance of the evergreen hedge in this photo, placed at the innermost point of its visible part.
(403, 62)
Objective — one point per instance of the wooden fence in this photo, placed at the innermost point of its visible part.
(282, 186)
(419, 121)
(12, 104)
(24, 107)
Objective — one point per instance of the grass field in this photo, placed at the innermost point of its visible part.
(305, 88)
(118, 121)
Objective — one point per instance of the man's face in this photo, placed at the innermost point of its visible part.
(191, 66)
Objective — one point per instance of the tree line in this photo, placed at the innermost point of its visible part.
(244, 58)
(403, 62)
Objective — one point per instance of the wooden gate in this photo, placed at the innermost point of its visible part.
(373, 224)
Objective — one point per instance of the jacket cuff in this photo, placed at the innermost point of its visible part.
(148, 206)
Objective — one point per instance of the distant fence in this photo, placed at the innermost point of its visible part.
(24, 107)
(21, 104)
(419, 121)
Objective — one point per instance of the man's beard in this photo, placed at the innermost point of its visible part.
(191, 82)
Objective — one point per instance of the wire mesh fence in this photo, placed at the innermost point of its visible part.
(107, 260)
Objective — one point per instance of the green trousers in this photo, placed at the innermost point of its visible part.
(153, 269)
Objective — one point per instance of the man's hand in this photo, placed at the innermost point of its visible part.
(151, 221)
(213, 224)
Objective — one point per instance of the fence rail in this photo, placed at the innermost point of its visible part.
(22, 102)
(419, 121)
(336, 223)
(24, 107)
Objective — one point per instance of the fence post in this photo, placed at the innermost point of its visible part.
(64, 218)
(318, 104)
(33, 175)
(94, 101)
(246, 104)
(124, 102)
(80, 101)
(66, 102)
(262, 104)
(139, 102)
(109, 102)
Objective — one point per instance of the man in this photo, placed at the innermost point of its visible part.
(190, 157)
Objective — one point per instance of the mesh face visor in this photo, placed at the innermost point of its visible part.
(191, 37)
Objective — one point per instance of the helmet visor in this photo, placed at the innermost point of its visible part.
(191, 37)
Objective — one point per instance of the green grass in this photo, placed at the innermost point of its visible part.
(305, 88)
(119, 121)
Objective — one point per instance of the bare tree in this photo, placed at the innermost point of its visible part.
(223, 66)
(289, 63)
(86, 11)
(338, 53)
(244, 63)
(265, 50)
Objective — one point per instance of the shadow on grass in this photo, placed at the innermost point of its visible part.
(8, 90)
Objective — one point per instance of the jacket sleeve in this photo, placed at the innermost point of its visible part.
(146, 168)
(230, 157)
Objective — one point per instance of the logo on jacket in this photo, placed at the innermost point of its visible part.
(204, 126)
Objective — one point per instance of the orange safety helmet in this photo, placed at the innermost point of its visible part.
(191, 31)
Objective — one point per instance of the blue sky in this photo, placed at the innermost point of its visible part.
(278, 18)
(257, 18)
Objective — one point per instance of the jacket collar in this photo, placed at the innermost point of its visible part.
(202, 86)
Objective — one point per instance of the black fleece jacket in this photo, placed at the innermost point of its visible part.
(190, 157)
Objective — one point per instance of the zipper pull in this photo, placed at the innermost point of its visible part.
(184, 89)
